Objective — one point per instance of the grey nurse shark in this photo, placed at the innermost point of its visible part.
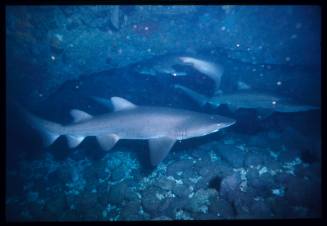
(265, 104)
(177, 65)
(160, 125)
(163, 65)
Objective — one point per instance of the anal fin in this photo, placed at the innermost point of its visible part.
(74, 141)
(159, 149)
(107, 141)
(49, 138)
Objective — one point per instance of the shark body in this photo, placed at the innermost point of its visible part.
(265, 103)
(161, 126)
(166, 66)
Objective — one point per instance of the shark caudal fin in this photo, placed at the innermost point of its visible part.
(197, 97)
(49, 131)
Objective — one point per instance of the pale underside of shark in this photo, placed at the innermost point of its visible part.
(265, 104)
(161, 126)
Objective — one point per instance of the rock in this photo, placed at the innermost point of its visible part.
(53, 178)
(259, 140)
(204, 171)
(242, 203)
(280, 207)
(117, 193)
(232, 155)
(310, 171)
(203, 183)
(181, 190)
(221, 208)
(254, 159)
(92, 213)
(273, 164)
(129, 209)
(260, 209)
(162, 218)
(69, 215)
(87, 200)
(293, 138)
(215, 183)
(221, 169)
(289, 155)
(176, 205)
(179, 166)
(36, 211)
(199, 202)
(216, 169)
(206, 216)
(32, 196)
(302, 192)
(56, 205)
(311, 153)
(229, 185)
(198, 152)
(150, 201)
(131, 194)
(261, 183)
(118, 173)
(165, 183)
(103, 190)
(138, 217)
(164, 205)
(273, 135)
(282, 178)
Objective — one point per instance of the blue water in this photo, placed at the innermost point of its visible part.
(58, 57)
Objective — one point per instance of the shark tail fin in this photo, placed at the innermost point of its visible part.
(197, 97)
(49, 131)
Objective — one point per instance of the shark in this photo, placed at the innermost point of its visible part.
(167, 65)
(175, 65)
(213, 70)
(162, 126)
(264, 103)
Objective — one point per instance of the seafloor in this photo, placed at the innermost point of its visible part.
(232, 177)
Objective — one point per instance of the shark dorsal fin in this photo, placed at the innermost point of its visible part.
(121, 104)
(103, 101)
(79, 115)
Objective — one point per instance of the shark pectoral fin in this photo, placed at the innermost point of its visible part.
(74, 141)
(121, 104)
(232, 108)
(79, 115)
(264, 113)
(107, 141)
(159, 149)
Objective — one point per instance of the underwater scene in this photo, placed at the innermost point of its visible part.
(163, 112)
